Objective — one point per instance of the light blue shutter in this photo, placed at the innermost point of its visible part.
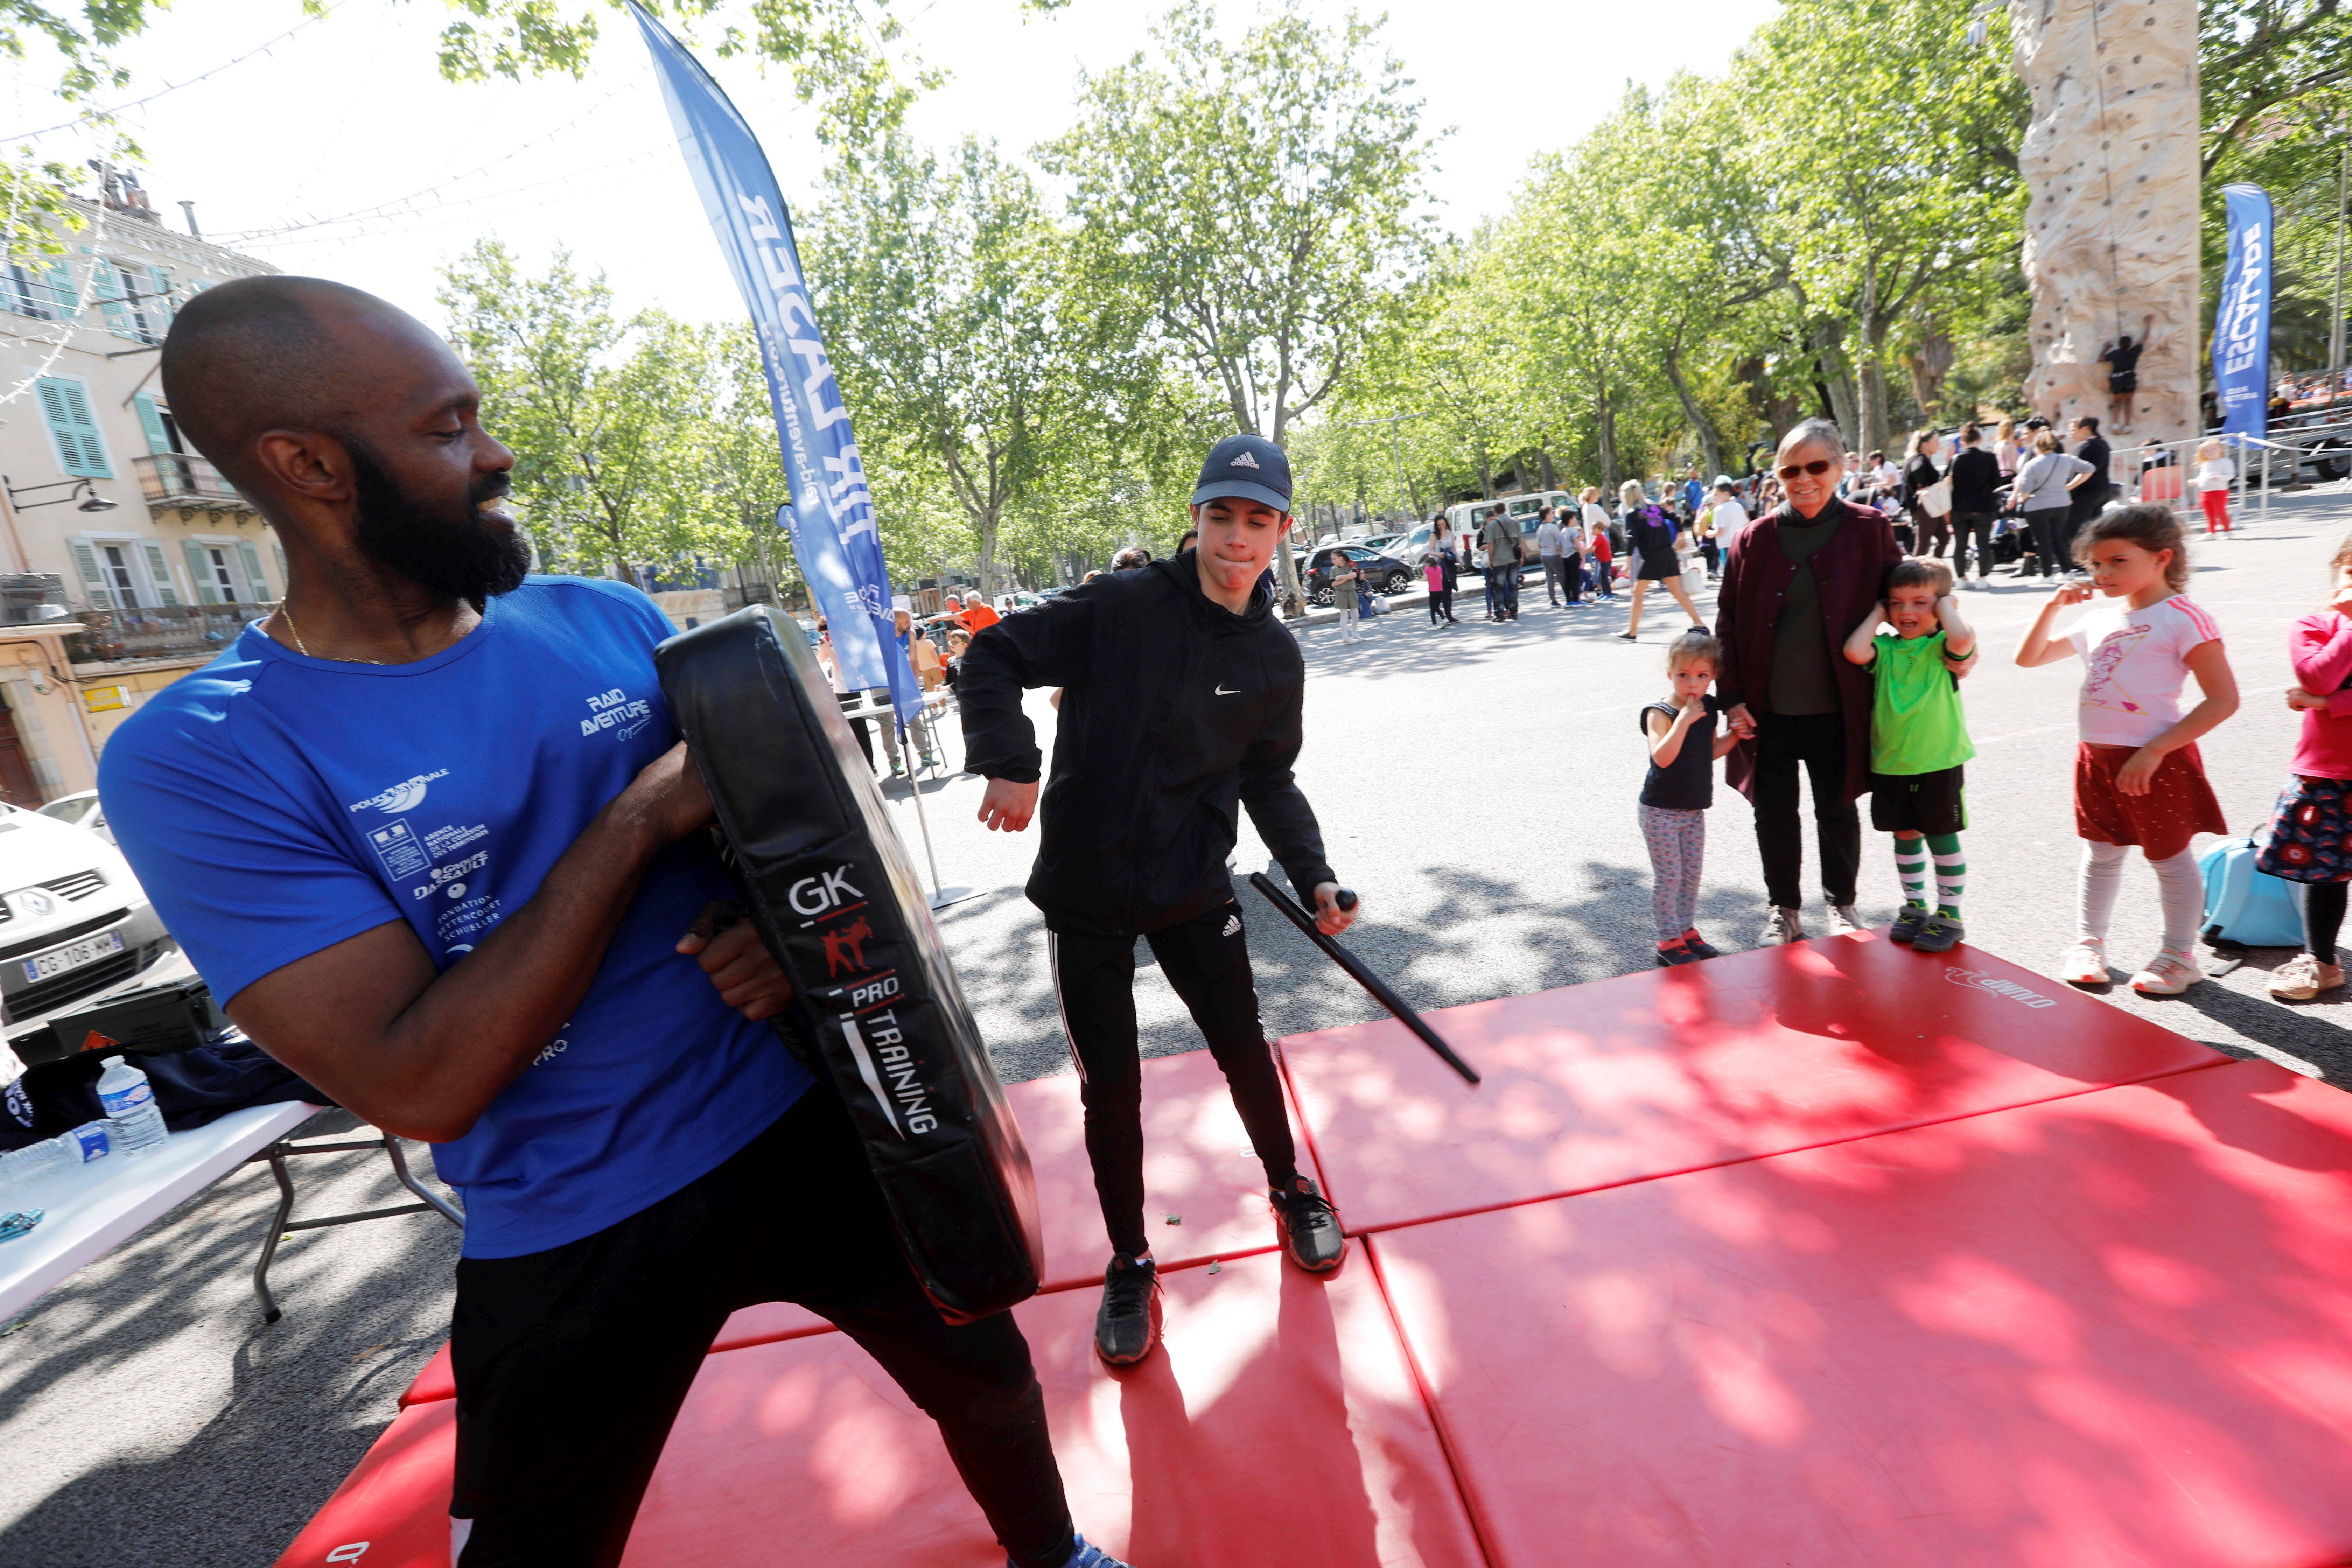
(67, 407)
(159, 304)
(150, 419)
(64, 302)
(93, 582)
(159, 572)
(255, 585)
(200, 572)
(106, 287)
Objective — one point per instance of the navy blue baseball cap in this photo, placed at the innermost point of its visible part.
(1248, 467)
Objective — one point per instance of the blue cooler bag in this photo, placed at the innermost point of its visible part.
(2246, 906)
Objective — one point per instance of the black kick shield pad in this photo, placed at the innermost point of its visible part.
(834, 897)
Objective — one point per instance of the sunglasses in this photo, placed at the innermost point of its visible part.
(1817, 468)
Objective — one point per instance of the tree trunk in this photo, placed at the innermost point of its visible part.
(1604, 435)
(1485, 473)
(1710, 440)
(1830, 357)
(986, 570)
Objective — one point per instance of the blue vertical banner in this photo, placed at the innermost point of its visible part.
(832, 515)
(2242, 321)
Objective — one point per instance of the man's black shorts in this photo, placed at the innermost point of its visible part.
(1918, 802)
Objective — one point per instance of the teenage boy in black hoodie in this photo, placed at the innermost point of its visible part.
(1181, 703)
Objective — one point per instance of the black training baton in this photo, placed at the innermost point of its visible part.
(1359, 973)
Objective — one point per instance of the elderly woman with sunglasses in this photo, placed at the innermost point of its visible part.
(1797, 581)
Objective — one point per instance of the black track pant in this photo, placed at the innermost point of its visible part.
(1971, 531)
(1206, 959)
(2052, 528)
(571, 1363)
(1815, 741)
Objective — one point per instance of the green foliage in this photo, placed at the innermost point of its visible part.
(1253, 206)
(942, 293)
(632, 438)
(2265, 63)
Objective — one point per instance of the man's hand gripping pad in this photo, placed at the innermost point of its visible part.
(834, 897)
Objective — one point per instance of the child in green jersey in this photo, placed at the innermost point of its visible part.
(1918, 739)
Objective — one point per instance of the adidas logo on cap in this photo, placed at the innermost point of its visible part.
(1243, 460)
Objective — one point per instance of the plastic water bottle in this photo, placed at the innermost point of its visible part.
(88, 1141)
(129, 1104)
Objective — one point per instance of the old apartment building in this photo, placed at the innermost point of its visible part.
(125, 559)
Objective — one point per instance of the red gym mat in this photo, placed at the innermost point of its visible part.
(2113, 1329)
(1644, 1075)
(1279, 1427)
(1197, 1165)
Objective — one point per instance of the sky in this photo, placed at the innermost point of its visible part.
(341, 153)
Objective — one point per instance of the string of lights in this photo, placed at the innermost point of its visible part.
(87, 115)
(393, 207)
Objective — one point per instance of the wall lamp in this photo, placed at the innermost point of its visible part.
(92, 502)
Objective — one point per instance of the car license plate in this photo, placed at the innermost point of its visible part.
(73, 955)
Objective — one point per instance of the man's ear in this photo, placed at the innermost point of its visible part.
(1286, 521)
(305, 465)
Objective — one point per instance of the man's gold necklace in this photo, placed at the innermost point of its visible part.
(288, 617)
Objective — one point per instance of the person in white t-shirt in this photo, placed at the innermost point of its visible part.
(1729, 516)
(2138, 776)
(2214, 472)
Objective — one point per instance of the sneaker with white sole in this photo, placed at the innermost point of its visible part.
(2084, 963)
(1845, 920)
(2302, 977)
(1782, 926)
(2168, 973)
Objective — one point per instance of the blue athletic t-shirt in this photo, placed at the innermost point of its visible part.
(274, 805)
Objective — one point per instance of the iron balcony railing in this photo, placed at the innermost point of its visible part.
(172, 631)
(178, 480)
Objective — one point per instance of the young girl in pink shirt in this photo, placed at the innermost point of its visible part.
(2311, 831)
(2138, 777)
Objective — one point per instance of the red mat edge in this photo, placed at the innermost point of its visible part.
(2220, 1059)
(1429, 1404)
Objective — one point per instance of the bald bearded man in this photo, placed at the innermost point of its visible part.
(429, 830)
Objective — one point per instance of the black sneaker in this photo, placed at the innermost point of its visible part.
(1939, 934)
(1674, 957)
(1699, 946)
(1908, 922)
(1128, 1326)
(1311, 1236)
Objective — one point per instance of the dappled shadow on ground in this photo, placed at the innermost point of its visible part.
(249, 1426)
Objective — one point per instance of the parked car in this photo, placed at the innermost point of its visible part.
(80, 811)
(1381, 573)
(74, 922)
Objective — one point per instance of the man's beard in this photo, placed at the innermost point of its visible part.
(447, 551)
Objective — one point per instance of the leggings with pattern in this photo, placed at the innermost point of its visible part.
(1677, 841)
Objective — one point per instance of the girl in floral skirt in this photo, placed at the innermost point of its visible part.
(2138, 777)
(2311, 831)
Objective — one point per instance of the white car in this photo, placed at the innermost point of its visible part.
(80, 811)
(74, 922)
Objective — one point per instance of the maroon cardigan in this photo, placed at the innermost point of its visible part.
(1850, 572)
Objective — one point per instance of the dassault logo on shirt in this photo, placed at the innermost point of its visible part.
(615, 711)
(405, 796)
(450, 873)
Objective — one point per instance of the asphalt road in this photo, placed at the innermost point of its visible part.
(1477, 787)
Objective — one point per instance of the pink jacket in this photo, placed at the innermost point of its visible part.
(2320, 647)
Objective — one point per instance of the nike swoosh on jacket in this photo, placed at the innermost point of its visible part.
(1150, 764)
